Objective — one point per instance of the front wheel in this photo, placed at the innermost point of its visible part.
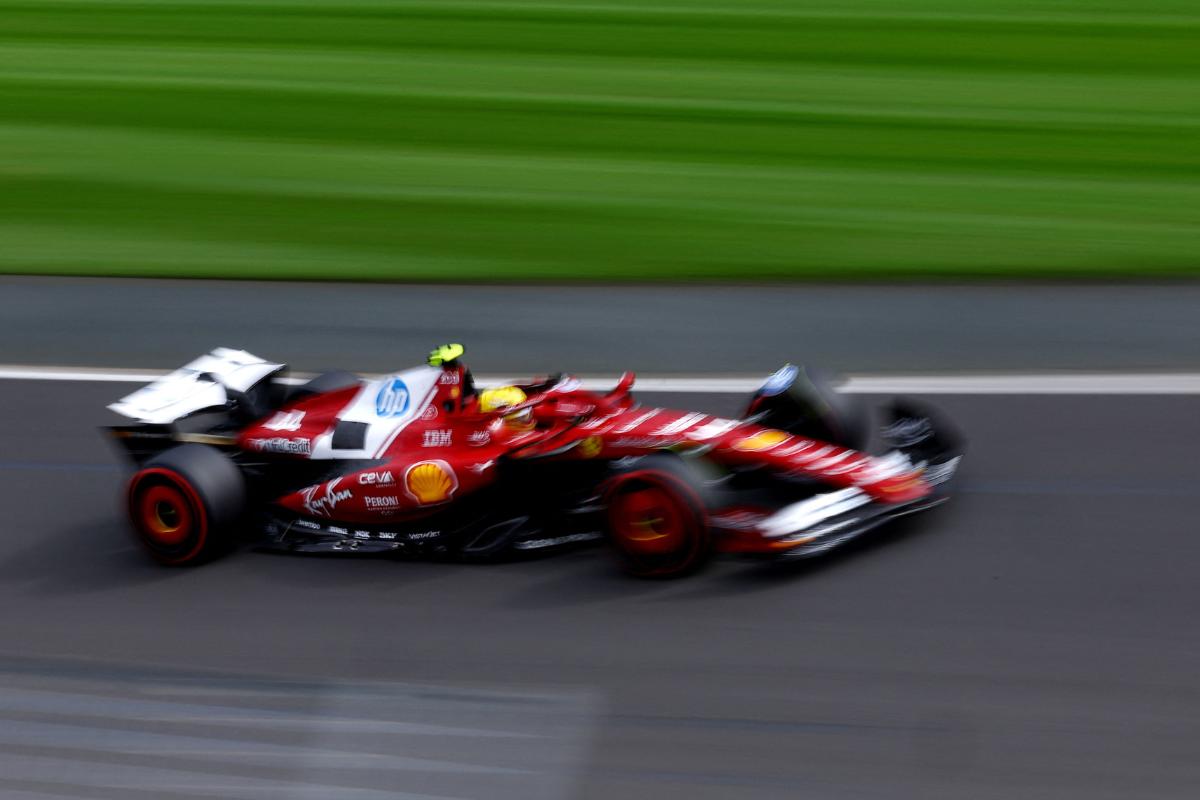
(656, 521)
(184, 502)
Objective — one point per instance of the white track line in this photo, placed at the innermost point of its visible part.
(1185, 383)
(17, 372)
(1061, 383)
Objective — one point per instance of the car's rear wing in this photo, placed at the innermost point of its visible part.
(210, 381)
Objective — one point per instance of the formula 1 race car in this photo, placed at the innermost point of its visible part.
(422, 461)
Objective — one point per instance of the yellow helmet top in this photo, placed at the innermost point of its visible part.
(500, 397)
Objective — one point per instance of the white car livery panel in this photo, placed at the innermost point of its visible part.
(385, 406)
(195, 386)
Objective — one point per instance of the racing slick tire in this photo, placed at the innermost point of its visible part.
(184, 502)
(655, 519)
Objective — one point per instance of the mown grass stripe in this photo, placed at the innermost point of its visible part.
(468, 140)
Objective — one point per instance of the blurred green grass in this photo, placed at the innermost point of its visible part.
(606, 139)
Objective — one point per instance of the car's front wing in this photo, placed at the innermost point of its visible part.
(818, 523)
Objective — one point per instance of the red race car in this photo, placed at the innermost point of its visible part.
(424, 462)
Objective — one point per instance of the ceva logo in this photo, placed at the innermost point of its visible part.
(376, 478)
(392, 400)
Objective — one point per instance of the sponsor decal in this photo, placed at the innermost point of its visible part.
(376, 478)
(591, 447)
(424, 535)
(361, 535)
(342, 531)
(430, 482)
(438, 438)
(392, 400)
(387, 535)
(304, 523)
(387, 501)
(323, 505)
(779, 381)
(429, 413)
(479, 438)
(278, 444)
(285, 421)
(763, 440)
(449, 379)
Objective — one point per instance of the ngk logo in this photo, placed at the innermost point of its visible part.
(376, 478)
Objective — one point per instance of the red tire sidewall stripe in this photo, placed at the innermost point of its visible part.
(193, 497)
(663, 478)
(148, 498)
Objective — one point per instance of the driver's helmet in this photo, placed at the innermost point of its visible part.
(505, 397)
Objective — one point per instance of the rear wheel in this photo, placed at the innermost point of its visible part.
(184, 502)
(656, 521)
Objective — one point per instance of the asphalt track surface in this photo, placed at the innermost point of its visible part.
(599, 329)
(1035, 638)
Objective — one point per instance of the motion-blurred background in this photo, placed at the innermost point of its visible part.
(554, 139)
(1035, 638)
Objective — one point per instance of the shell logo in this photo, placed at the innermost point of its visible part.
(763, 440)
(590, 447)
(430, 482)
(902, 486)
